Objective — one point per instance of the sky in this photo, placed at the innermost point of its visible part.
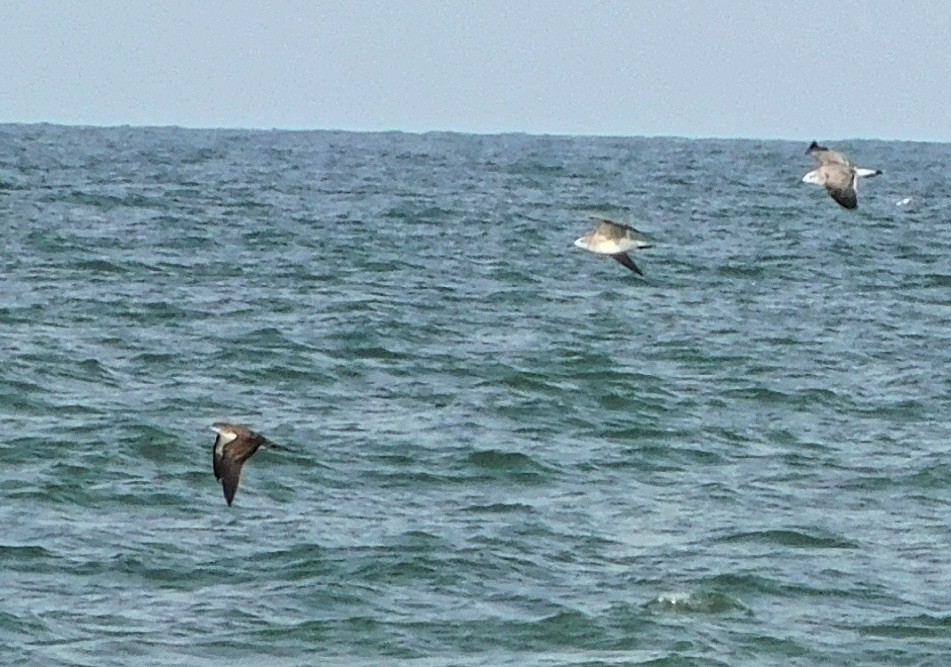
(876, 69)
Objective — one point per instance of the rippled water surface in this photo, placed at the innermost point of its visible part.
(500, 449)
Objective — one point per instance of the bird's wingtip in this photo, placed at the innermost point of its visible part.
(624, 259)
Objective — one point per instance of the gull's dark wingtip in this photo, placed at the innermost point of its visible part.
(845, 198)
(228, 491)
(625, 259)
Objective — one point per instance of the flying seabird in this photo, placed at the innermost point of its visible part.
(837, 173)
(615, 239)
(234, 445)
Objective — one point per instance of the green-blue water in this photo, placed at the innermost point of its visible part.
(500, 449)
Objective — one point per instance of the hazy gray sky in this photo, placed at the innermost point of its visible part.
(799, 70)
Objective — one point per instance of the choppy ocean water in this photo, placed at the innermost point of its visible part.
(500, 449)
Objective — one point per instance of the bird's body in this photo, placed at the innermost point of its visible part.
(837, 174)
(615, 239)
(234, 445)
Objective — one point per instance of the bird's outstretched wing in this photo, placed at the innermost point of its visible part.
(626, 260)
(229, 472)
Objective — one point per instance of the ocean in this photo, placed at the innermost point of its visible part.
(499, 449)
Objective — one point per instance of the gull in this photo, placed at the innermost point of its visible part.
(615, 239)
(837, 173)
(234, 445)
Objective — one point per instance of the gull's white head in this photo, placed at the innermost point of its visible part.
(584, 241)
(226, 433)
(812, 177)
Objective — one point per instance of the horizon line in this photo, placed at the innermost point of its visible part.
(531, 133)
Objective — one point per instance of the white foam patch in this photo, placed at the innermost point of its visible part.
(674, 599)
(699, 602)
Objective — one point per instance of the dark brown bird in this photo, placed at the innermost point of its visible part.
(234, 445)
(837, 173)
(615, 239)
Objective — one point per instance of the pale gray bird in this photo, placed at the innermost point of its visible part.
(234, 445)
(615, 239)
(837, 173)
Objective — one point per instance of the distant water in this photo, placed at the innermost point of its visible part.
(501, 449)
